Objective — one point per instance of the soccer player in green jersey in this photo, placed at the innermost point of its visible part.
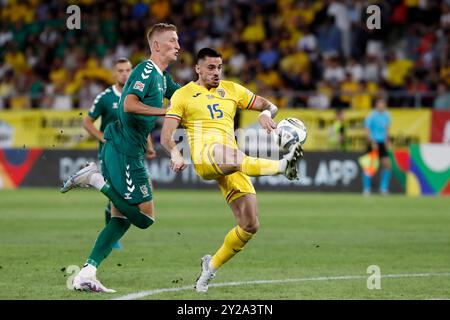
(124, 179)
(105, 107)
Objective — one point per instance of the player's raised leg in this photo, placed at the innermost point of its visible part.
(230, 160)
(88, 176)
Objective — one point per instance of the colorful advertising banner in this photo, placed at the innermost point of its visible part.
(440, 130)
(418, 170)
(319, 172)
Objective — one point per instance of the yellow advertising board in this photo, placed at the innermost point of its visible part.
(44, 129)
(63, 129)
(408, 126)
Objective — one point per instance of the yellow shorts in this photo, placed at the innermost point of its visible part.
(233, 186)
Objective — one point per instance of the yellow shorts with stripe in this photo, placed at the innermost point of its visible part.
(233, 186)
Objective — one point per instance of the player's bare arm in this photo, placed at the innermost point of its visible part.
(88, 124)
(268, 112)
(177, 162)
(151, 153)
(132, 104)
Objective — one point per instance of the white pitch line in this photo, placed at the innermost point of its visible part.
(141, 294)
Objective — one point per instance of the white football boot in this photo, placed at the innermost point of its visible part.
(206, 275)
(80, 178)
(294, 155)
(90, 284)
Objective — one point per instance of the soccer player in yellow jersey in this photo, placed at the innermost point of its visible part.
(206, 109)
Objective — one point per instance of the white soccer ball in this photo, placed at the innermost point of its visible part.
(290, 131)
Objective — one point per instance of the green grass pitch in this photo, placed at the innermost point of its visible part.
(303, 236)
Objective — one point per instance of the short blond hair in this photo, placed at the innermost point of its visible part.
(159, 28)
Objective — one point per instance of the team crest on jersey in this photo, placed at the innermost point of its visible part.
(221, 92)
(139, 86)
(144, 190)
(114, 105)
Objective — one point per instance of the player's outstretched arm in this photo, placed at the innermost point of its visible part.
(268, 112)
(88, 124)
(132, 104)
(177, 162)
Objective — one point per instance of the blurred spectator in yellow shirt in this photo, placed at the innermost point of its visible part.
(362, 99)
(254, 31)
(349, 87)
(396, 71)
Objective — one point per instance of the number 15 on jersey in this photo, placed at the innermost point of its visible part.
(214, 111)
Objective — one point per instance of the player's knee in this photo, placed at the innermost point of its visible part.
(251, 226)
(144, 222)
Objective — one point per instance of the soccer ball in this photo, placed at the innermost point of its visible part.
(290, 131)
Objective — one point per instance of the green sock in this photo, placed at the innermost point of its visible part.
(110, 234)
(132, 212)
(108, 213)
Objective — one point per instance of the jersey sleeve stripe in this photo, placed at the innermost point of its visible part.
(252, 102)
(173, 116)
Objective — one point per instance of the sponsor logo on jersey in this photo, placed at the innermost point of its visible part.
(114, 106)
(147, 70)
(139, 86)
(196, 95)
(221, 92)
(129, 181)
(127, 196)
(210, 96)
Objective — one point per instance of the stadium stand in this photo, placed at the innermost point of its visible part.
(308, 54)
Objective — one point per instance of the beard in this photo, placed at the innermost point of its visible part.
(213, 83)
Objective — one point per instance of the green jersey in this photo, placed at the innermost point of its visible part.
(105, 106)
(146, 81)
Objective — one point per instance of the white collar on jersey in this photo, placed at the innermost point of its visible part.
(116, 92)
(156, 67)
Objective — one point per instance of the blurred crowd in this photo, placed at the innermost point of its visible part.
(310, 54)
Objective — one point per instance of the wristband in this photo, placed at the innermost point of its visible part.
(266, 112)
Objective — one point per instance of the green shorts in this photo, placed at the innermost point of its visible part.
(128, 175)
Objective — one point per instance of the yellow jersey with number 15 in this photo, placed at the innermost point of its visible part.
(208, 115)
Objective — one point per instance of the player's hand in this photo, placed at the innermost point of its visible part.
(267, 123)
(177, 162)
(150, 154)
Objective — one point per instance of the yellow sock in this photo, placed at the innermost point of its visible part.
(255, 167)
(234, 241)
